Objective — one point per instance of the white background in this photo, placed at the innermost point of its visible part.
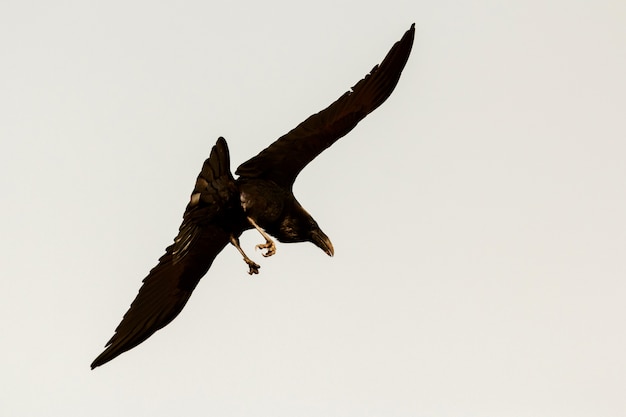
(477, 216)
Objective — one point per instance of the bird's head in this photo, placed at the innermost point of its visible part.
(299, 226)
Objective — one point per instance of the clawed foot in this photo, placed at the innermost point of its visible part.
(254, 267)
(269, 245)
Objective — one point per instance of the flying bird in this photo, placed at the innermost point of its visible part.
(221, 207)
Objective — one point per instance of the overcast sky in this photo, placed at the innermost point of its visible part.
(478, 216)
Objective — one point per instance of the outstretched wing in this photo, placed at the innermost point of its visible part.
(205, 231)
(284, 159)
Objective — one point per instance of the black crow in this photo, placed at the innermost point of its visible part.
(222, 207)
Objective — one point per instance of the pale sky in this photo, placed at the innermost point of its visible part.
(478, 216)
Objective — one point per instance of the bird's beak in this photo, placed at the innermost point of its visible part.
(322, 241)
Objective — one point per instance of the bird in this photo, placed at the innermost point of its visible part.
(221, 207)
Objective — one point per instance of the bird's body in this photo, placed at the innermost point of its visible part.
(221, 207)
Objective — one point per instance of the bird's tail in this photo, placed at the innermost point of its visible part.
(216, 166)
(215, 182)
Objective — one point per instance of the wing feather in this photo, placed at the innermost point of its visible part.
(205, 231)
(283, 160)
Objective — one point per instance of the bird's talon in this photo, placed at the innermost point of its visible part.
(254, 268)
(269, 245)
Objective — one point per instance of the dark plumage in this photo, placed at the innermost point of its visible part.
(222, 208)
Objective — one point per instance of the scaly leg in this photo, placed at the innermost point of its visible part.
(254, 267)
(269, 243)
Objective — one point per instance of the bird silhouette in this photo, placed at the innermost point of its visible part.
(221, 207)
